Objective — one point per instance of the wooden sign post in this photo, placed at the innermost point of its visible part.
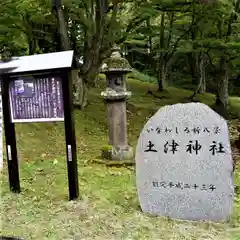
(39, 89)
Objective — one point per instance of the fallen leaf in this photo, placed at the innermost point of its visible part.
(116, 173)
(127, 197)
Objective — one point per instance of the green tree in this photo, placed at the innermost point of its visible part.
(25, 24)
(91, 27)
(224, 46)
(166, 28)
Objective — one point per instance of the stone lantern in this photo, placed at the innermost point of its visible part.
(115, 68)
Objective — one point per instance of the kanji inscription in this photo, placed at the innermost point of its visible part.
(33, 98)
(193, 147)
(180, 185)
(187, 130)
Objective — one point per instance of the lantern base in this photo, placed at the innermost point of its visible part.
(120, 153)
(118, 163)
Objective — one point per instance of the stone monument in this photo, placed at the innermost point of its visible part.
(115, 68)
(184, 166)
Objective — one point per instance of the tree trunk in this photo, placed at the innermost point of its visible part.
(79, 85)
(63, 29)
(222, 89)
(161, 62)
(162, 77)
(148, 23)
(201, 84)
(83, 79)
(192, 67)
(79, 90)
(99, 37)
(32, 45)
(221, 105)
(203, 75)
(194, 58)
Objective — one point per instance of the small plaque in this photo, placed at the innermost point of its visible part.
(36, 99)
(9, 153)
(69, 153)
(19, 86)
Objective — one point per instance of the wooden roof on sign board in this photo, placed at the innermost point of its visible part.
(39, 62)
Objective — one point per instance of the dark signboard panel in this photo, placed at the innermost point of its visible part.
(36, 99)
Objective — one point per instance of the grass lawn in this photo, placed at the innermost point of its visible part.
(108, 208)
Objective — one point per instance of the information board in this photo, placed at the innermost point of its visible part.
(36, 99)
(38, 88)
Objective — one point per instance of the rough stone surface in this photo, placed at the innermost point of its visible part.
(110, 94)
(191, 183)
(118, 153)
(116, 63)
(117, 123)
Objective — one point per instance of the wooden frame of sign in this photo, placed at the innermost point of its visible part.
(38, 88)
